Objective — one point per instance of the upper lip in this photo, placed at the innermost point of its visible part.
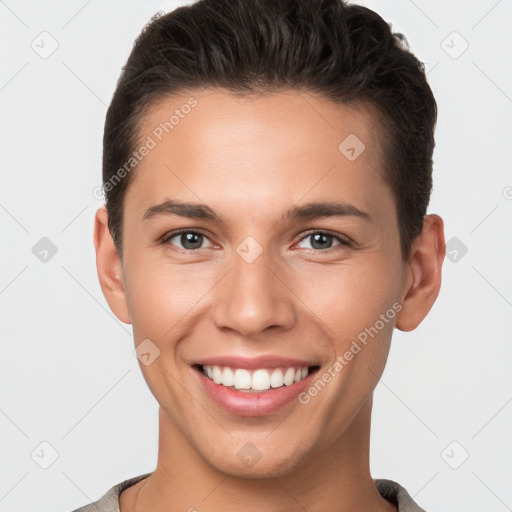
(267, 361)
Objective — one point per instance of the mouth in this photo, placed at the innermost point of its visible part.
(254, 392)
(255, 380)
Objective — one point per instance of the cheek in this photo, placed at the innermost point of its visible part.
(351, 297)
(161, 297)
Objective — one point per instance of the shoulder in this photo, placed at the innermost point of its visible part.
(388, 489)
(396, 494)
(109, 502)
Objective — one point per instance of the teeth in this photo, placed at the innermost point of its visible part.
(289, 376)
(276, 378)
(228, 377)
(256, 380)
(260, 380)
(217, 375)
(242, 379)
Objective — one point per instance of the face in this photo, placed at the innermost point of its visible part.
(261, 244)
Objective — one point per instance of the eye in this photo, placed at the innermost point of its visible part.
(189, 240)
(321, 240)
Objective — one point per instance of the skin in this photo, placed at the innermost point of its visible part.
(250, 159)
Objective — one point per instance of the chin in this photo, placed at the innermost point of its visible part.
(250, 463)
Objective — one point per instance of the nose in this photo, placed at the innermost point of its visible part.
(253, 298)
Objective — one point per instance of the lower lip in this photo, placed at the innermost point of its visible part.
(252, 403)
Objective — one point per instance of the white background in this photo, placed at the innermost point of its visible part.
(68, 375)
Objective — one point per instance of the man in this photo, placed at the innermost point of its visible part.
(267, 170)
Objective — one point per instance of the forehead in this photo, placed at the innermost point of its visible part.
(299, 118)
(212, 144)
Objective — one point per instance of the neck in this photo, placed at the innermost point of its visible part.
(337, 477)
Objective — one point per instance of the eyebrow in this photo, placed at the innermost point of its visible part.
(308, 211)
(321, 209)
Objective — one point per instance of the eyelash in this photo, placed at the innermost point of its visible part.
(345, 242)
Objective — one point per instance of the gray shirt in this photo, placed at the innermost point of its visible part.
(388, 489)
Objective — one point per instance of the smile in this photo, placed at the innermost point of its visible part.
(261, 379)
(261, 388)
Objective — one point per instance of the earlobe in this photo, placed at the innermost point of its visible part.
(109, 268)
(423, 279)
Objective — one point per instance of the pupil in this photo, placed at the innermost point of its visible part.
(320, 238)
(191, 240)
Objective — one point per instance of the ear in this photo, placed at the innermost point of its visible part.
(423, 274)
(109, 267)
